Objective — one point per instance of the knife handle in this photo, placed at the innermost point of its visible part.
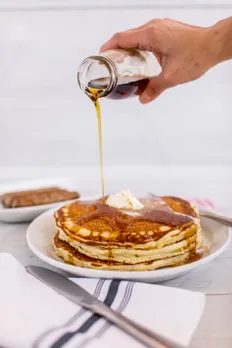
(142, 334)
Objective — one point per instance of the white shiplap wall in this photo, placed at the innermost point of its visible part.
(45, 119)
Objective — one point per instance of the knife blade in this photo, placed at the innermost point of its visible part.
(77, 294)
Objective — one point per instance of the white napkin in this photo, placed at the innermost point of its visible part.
(34, 315)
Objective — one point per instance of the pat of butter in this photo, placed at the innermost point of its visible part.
(124, 200)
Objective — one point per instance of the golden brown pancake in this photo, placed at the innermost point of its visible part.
(92, 234)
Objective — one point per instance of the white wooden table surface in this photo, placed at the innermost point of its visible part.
(214, 279)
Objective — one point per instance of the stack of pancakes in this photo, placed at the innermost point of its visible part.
(166, 232)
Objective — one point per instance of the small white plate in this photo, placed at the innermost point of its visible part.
(26, 214)
(42, 229)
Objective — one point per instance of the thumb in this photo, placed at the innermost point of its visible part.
(155, 87)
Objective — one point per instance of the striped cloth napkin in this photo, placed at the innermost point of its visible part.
(35, 316)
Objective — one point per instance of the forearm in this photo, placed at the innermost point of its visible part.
(221, 36)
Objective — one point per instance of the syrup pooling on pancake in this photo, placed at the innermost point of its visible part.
(98, 216)
(164, 231)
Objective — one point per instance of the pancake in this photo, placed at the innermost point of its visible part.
(166, 232)
(74, 257)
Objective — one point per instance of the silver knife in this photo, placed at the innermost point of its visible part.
(77, 294)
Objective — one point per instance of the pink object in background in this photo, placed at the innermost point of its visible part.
(203, 202)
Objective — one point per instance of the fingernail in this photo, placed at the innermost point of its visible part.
(145, 98)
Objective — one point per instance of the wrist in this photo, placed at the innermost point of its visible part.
(220, 36)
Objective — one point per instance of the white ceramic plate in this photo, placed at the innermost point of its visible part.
(41, 230)
(26, 214)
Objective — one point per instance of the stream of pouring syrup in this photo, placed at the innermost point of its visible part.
(95, 99)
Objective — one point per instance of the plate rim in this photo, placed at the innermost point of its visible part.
(161, 272)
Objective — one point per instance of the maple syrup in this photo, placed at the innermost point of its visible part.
(115, 74)
(127, 86)
(95, 92)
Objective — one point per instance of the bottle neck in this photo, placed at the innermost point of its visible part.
(87, 74)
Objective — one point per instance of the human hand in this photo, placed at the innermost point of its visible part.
(185, 52)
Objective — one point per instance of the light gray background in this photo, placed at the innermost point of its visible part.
(46, 120)
(181, 144)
